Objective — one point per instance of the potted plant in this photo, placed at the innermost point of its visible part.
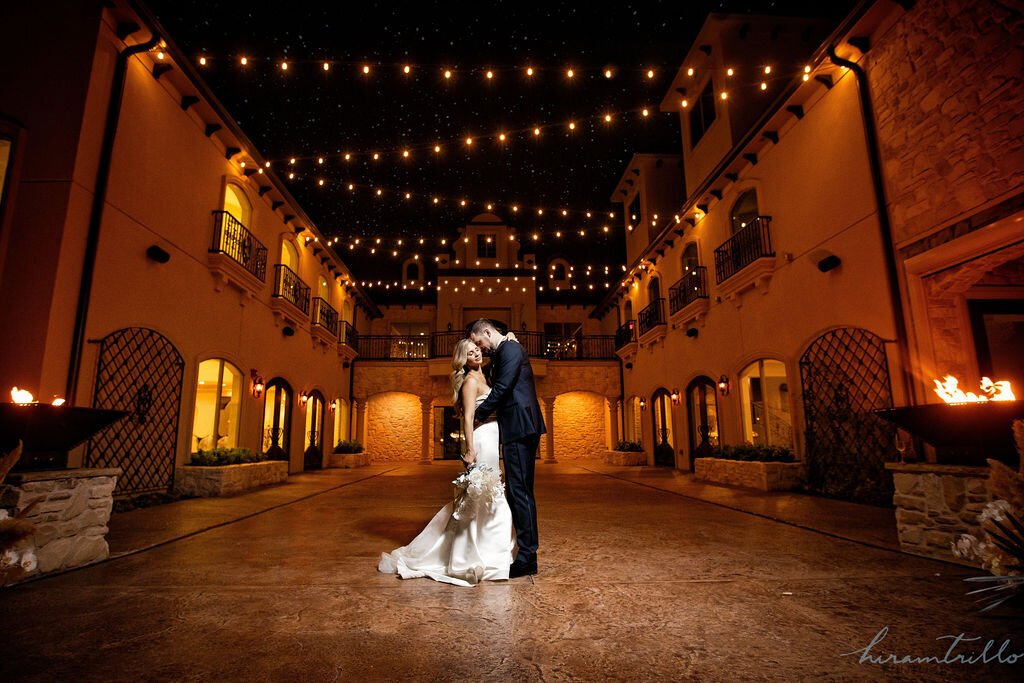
(767, 468)
(226, 471)
(626, 453)
(349, 454)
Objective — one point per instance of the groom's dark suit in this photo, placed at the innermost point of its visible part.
(520, 425)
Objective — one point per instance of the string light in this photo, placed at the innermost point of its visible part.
(570, 73)
(447, 74)
(529, 71)
(607, 73)
(366, 69)
(729, 72)
(202, 61)
(327, 66)
(406, 69)
(650, 73)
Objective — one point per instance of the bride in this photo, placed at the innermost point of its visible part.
(476, 542)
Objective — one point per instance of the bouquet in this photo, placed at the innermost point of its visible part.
(480, 485)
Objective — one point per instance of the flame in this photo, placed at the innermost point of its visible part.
(950, 392)
(22, 396)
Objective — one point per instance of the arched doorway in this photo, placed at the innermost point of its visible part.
(140, 371)
(314, 455)
(277, 419)
(702, 406)
(664, 439)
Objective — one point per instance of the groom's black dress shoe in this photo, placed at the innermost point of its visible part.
(522, 569)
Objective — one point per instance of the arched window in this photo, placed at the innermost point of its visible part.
(341, 420)
(323, 289)
(744, 211)
(628, 310)
(412, 272)
(314, 455)
(218, 399)
(702, 405)
(558, 272)
(290, 256)
(653, 290)
(764, 394)
(689, 259)
(664, 439)
(237, 204)
(277, 419)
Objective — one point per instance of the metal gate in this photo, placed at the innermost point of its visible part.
(845, 376)
(140, 372)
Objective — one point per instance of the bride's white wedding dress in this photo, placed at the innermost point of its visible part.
(477, 547)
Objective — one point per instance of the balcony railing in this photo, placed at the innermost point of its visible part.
(347, 335)
(289, 287)
(652, 316)
(692, 286)
(233, 239)
(625, 335)
(325, 316)
(743, 248)
(442, 345)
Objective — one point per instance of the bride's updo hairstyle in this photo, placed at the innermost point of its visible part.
(458, 376)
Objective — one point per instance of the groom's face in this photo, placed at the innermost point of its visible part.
(486, 341)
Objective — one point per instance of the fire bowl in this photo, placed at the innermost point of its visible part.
(975, 431)
(47, 432)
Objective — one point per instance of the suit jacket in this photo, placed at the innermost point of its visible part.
(513, 394)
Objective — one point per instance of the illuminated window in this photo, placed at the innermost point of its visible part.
(237, 204)
(764, 394)
(277, 419)
(341, 420)
(217, 407)
(702, 404)
(290, 256)
(314, 454)
(702, 115)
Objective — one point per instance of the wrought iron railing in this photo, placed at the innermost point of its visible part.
(347, 335)
(289, 287)
(233, 239)
(325, 316)
(692, 286)
(442, 345)
(743, 248)
(652, 316)
(625, 335)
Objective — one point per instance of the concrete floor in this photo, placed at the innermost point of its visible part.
(637, 582)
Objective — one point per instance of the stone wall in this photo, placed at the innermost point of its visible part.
(227, 480)
(935, 504)
(394, 427)
(765, 476)
(71, 514)
(580, 426)
(948, 92)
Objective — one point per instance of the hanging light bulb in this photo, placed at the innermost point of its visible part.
(572, 125)
(406, 69)
(608, 73)
(570, 73)
(202, 61)
(366, 68)
(447, 74)
(650, 73)
(529, 71)
(327, 66)
(490, 75)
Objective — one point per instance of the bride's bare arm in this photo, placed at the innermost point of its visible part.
(469, 392)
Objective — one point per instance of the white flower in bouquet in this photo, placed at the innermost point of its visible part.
(4, 514)
(28, 561)
(9, 558)
(479, 485)
(996, 510)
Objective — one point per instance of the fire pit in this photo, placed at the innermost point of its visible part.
(48, 431)
(967, 428)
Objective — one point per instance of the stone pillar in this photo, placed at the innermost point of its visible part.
(360, 421)
(426, 430)
(549, 422)
(613, 422)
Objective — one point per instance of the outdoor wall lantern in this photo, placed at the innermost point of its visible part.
(643, 404)
(258, 385)
(675, 397)
(155, 253)
(303, 397)
(723, 385)
(828, 263)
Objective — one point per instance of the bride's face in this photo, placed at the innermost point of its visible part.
(474, 358)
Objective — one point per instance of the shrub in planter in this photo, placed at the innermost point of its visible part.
(226, 456)
(753, 453)
(348, 447)
(629, 446)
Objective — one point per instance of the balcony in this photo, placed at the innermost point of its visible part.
(688, 298)
(236, 256)
(746, 260)
(324, 322)
(290, 300)
(442, 345)
(651, 321)
(625, 335)
(347, 336)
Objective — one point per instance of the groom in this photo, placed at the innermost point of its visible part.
(520, 425)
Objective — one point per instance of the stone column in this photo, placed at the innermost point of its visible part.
(426, 430)
(549, 422)
(613, 421)
(359, 423)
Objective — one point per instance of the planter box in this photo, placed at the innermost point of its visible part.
(625, 458)
(227, 480)
(348, 459)
(764, 476)
(71, 514)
